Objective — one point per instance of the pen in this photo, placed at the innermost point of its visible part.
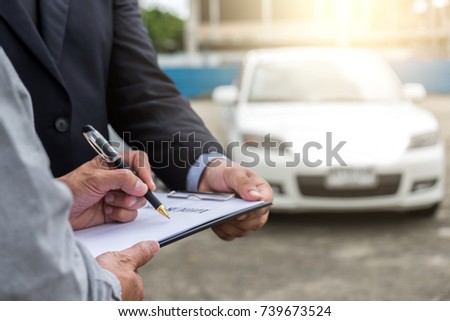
(109, 154)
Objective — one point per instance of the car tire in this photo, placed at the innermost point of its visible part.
(426, 212)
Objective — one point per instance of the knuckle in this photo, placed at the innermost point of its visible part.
(227, 237)
(259, 223)
(143, 155)
(141, 159)
(122, 215)
(141, 202)
(124, 176)
(94, 180)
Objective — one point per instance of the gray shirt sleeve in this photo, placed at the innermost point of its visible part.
(40, 257)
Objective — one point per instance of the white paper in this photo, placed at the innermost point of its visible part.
(185, 214)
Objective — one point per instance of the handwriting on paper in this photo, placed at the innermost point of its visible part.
(186, 210)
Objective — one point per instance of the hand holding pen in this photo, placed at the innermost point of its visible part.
(104, 196)
(110, 155)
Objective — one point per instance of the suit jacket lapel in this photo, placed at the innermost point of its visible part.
(14, 14)
(53, 25)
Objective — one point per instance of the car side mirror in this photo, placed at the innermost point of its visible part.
(414, 91)
(225, 95)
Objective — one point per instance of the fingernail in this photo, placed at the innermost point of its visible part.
(254, 193)
(140, 187)
(242, 217)
(155, 246)
(132, 201)
(109, 198)
(108, 210)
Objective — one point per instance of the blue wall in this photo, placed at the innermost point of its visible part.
(195, 82)
(433, 74)
(200, 81)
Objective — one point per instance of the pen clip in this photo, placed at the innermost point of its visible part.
(93, 137)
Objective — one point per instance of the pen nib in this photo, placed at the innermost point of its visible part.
(161, 209)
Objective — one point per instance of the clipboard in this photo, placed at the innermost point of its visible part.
(189, 215)
(220, 197)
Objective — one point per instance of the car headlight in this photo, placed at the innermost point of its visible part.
(424, 139)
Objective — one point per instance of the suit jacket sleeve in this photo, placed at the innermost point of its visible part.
(146, 108)
(41, 259)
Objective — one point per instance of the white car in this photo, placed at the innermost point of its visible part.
(334, 130)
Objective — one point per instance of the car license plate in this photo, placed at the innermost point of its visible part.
(345, 177)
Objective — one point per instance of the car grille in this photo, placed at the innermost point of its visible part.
(315, 186)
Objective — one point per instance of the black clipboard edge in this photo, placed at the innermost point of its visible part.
(202, 227)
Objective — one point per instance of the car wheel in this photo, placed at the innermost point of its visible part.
(426, 212)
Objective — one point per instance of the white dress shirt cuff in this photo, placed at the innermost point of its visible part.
(196, 170)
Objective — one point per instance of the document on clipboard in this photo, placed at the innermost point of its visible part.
(190, 213)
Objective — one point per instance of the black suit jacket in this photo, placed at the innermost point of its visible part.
(93, 63)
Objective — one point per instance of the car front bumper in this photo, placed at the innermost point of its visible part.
(415, 181)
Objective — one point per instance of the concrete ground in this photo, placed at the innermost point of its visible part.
(364, 256)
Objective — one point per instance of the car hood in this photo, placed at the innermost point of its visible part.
(371, 133)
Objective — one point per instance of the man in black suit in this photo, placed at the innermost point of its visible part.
(91, 62)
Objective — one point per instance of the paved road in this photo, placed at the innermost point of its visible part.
(313, 257)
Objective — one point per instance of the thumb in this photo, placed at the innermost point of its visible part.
(140, 253)
(245, 184)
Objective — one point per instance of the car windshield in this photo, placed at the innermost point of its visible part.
(316, 80)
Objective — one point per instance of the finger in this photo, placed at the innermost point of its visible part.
(251, 223)
(254, 214)
(245, 183)
(140, 288)
(99, 162)
(118, 179)
(264, 189)
(221, 234)
(117, 214)
(120, 199)
(138, 160)
(103, 181)
(140, 253)
(229, 232)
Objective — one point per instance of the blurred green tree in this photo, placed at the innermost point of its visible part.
(165, 29)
